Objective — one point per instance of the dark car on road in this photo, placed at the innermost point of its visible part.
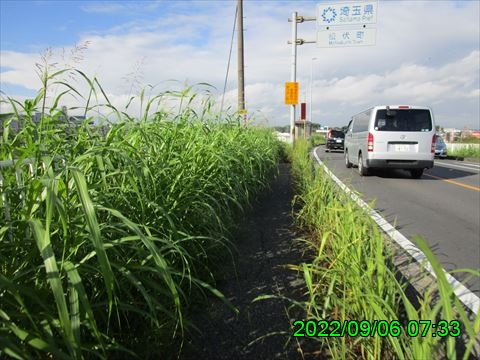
(335, 140)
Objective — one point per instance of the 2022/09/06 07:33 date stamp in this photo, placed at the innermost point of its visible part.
(382, 328)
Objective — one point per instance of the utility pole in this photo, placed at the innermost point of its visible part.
(241, 80)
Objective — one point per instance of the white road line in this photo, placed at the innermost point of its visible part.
(470, 167)
(468, 298)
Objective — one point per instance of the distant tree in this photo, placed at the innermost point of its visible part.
(439, 129)
(282, 129)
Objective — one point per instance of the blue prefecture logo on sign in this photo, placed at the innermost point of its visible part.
(329, 14)
(347, 13)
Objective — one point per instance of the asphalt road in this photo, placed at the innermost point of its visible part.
(443, 206)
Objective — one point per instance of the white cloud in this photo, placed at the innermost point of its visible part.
(20, 69)
(452, 83)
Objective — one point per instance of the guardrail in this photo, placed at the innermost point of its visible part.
(458, 146)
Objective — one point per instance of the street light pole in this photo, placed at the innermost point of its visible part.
(311, 82)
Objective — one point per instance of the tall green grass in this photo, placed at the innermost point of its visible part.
(352, 278)
(107, 232)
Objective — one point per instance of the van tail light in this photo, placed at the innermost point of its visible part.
(370, 142)
(434, 139)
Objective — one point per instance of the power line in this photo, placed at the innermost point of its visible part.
(229, 59)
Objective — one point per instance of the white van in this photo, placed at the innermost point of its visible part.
(391, 136)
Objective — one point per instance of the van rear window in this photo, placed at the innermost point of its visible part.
(403, 120)
(337, 134)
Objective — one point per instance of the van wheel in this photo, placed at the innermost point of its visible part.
(416, 173)
(348, 164)
(362, 170)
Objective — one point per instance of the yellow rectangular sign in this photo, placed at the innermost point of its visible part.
(291, 93)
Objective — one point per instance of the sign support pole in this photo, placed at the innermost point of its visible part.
(332, 17)
(293, 73)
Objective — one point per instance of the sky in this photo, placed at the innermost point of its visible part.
(424, 53)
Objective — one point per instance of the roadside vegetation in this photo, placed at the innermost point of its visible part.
(317, 139)
(472, 152)
(110, 231)
(351, 279)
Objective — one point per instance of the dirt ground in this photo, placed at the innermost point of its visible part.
(261, 329)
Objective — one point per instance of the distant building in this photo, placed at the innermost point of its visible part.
(452, 134)
(17, 124)
(476, 133)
